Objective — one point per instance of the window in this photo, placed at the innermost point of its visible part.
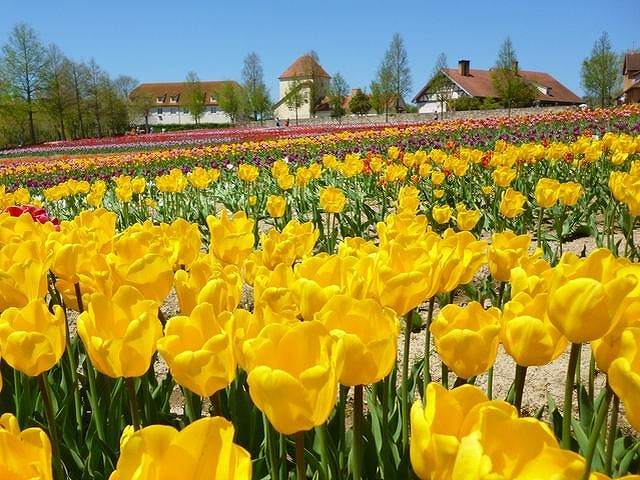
(185, 110)
(160, 99)
(213, 109)
(159, 111)
(174, 110)
(173, 99)
(213, 98)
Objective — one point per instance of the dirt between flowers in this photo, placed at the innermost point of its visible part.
(541, 382)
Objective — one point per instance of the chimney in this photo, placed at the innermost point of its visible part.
(463, 67)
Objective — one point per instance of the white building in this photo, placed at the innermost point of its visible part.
(476, 83)
(309, 82)
(169, 104)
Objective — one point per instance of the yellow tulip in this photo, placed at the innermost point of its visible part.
(587, 295)
(527, 334)
(369, 334)
(203, 450)
(24, 454)
(624, 375)
(569, 193)
(208, 281)
(435, 428)
(408, 198)
(437, 177)
(512, 203)
(151, 275)
(441, 213)
(279, 168)
(332, 200)
(120, 334)
(21, 281)
(459, 434)
(505, 251)
(457, 258)
(503, 176)
(547, 192)
(182, 242)
(467, 338)
(231, 238)
(276, 206)
(32, 340)
(272, 293)
(293, 374)
(530, 275)
(199, 350)
(468, 219)
(285, 182)
(247, 173)
(400, 277)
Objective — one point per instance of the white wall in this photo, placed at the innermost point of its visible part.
(176, 116)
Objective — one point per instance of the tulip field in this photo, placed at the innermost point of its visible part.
(245, 308)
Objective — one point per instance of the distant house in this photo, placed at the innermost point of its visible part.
(306, 77)
(467, 82)
(170, 104)
(631, 78)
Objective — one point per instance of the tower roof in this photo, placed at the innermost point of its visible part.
(304, 66)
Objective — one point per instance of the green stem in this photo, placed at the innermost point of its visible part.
(592, 376)
(133, 403)
(595, 433)
(459, 382)
(445, 375)
(490, 383)
(321, 431)
(568, 395)
(405, 381)
(271, 450)
(93, 400)
(611, 436)
(540, 215)
(501, 288)
(426, 369)
(191, 404)
(341, 419)
(578, 378)
(51, 422)
(300, 466)
(216, 406)
(357, 432)
(521, 375)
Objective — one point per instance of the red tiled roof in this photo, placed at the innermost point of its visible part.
(479, 84)
(304, 66)
(631, 62)
(172, 89)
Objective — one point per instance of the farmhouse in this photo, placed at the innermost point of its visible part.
(168, 103)
(303, 90)
(631, 78)
(467, 82)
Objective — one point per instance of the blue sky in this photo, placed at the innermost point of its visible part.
(162, 40)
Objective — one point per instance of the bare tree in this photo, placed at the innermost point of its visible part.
(195, 96)
(254, 87)
(396, 64)
(601, 72)
(80, 80)
(57, 93)
(22, 68)
(440, 83)
(95, 80)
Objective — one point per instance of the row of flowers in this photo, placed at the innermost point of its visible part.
(317, 324)
(38, 172)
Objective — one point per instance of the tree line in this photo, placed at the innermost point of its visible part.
(45, 95)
